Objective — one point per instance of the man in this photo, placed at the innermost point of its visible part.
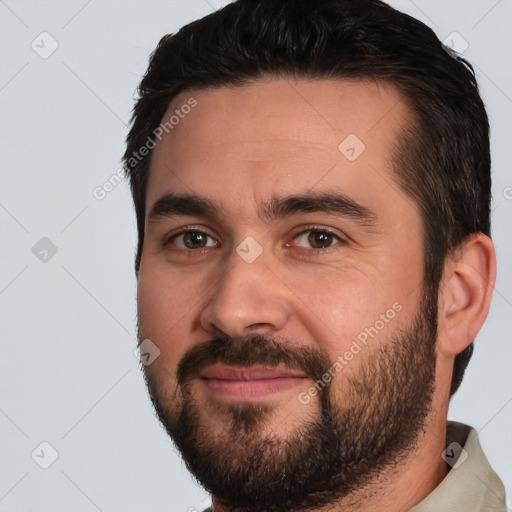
(312, 187)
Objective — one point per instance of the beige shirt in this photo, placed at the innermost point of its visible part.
(471, 485)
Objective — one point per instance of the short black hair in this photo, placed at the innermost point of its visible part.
(442, 159)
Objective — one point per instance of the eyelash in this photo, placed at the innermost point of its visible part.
(309, 229)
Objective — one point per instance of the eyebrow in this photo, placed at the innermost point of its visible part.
(330, 203)
(175, 205)
(172, 205)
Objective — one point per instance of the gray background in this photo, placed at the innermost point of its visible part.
(68, 374)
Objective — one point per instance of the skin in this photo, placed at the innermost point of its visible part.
(240, 147)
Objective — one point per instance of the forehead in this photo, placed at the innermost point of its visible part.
(279, 135)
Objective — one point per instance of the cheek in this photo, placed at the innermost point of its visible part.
(165, 306)
(348, 311)
(333, 307)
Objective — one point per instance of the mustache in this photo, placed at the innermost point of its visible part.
(249, 351)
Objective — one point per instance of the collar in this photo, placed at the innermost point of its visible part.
(471, 485)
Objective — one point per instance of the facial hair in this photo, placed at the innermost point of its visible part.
(322, 460)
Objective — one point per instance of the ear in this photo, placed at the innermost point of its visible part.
(465, 293)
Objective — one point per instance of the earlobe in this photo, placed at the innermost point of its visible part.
(465, 293)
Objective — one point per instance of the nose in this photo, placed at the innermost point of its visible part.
(248, 299)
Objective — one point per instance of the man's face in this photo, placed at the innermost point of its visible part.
(281, 280)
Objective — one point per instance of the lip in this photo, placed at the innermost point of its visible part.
(245, 373)
(249, 383)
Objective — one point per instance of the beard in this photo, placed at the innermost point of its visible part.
(338, 450)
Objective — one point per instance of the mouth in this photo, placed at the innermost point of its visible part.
(251, 382)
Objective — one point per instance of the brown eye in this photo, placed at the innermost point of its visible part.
(320, 240)
(317, 239)
(193, 240)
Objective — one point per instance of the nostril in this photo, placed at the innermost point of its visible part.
(256, 326)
